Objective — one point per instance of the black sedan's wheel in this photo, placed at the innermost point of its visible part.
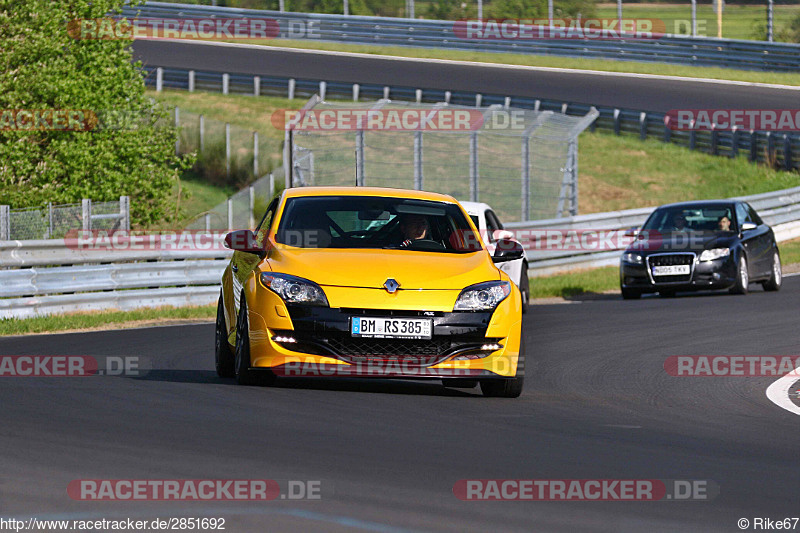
(525, 288)
(244, 374)
(776, 278)
(630, 294)
(742, 277)
(507, 388)
(223, 355)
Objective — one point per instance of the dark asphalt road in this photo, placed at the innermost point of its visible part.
(574, 87)
(598, 404)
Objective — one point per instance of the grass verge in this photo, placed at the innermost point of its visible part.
(103, 319)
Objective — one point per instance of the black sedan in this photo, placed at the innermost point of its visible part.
(708, 245)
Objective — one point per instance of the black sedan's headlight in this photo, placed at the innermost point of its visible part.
(294, 290)
(632, 258)
(482, 296)
(715, 253)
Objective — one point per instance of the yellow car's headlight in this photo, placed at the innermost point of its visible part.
(482, 296)
(294, 290)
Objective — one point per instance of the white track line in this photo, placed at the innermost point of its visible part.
(486, 65)
(778, 392)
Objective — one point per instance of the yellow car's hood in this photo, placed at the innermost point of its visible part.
(371, 268)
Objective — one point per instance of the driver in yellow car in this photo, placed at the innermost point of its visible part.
(412, 228)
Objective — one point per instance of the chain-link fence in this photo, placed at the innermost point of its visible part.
(55, 221)
(521, 162)
(244, 209)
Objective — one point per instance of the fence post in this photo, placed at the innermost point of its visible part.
(256, 85)
(191, 81)
(227, 150)
(5, 223)
(292, 84)
(86, 214)
(447, 96)
(507, 102)
(360, 158)
(208, 221)
(386, 92)
(643, 126)
(573, 148)
(478, 100)
(770, 146)
(230, 214)
(692, 137)
(734, 142)
(526, 178)
(49, 220)
(356, 89)
(271, 185)
(564, 108)
(418, 94)
(418, 177)
(202, 133)
(251, 192)
(616, 121)
(667, 131)
(226, 79)
(536, 105)
(323, 89)
(159, 79)
(714, 140)
(473, 166)
(178, 133)
(255, 154)
(125, 213)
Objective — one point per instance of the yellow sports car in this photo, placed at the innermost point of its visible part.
(369, 282)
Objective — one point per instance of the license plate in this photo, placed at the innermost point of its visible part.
(671, 270)
(389, 328)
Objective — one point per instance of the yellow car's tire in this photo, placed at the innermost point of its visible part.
(244, 374)
(223, 355)
(507, 388)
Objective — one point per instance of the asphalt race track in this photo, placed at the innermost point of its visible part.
(597, 404)
(608, 89)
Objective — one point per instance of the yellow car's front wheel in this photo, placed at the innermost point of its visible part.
(507, 388)
(244, 374)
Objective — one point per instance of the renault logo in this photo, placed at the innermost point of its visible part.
(391, 285)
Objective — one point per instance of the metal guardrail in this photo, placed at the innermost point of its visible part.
(760, 146)
(698, 51)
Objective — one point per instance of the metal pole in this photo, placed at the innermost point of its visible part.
(255, 154)
(191, 81)
(411, 9)
(550, 13)
(573, 146)
(50, 219)
(281, 6)
(473, 166)
(230, 214)
(159, 79)
(125, 212)
(177, 133)
(346, 7)
(256, 85)
(227, 150)
(360, 158)
(5, 223)
(418, 179)
(769, 20)
(480, 9)
(202, 133)
(208, 222)
(694, 18)
(86, 214)
(226, 79)
(619, 14)
(271, 185)
(292, 83)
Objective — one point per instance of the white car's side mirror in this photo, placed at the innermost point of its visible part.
(499, 234)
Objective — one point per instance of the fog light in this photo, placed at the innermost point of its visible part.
(716, 276)
(279, 338)
(491, 347)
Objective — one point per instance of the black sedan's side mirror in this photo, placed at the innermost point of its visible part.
(507, 250)
(244, 240)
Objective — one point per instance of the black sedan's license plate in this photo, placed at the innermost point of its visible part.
(389, 328)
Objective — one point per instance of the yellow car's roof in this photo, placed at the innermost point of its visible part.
(368, 191)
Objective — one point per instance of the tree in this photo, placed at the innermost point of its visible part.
(42, 67)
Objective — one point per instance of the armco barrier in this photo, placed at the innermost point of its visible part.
(700, 51)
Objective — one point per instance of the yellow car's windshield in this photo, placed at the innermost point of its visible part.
(376, 222)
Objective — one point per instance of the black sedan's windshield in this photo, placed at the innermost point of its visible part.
(700, 217)
(375, 222)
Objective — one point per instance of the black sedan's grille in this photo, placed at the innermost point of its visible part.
(671, 260)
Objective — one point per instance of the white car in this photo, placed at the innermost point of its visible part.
(491, 230)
